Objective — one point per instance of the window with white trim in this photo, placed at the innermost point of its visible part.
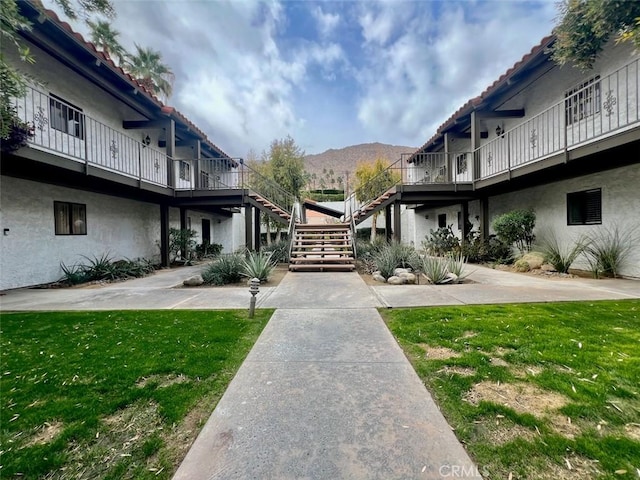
(185, 170)
(66, 117)
(584, 208)
(70, 218)
(582, 101)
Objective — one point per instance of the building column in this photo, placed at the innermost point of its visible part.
(164, 235)
(397, 234)
(484, 217)
(256, 229)
(387, 223)
(183, 218)
(248, 223)
(464, 207)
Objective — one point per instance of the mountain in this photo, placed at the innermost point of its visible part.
(343, 162)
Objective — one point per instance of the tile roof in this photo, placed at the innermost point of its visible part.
(471, 104)
(106, 59)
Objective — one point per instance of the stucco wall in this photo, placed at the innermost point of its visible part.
(32, 253)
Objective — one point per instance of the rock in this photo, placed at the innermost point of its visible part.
(522, 265)
(547, 268)
(534, 259)
(395, 280)
(194, 281)
(408, 277)
(377, 272)
(379, 278)
(451, 278)
(398, 271)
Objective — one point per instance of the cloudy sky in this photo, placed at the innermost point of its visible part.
(330, 74)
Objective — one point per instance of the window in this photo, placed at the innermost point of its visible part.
(461, 164)
(442, 220)
(582, 101)
(70, 218)
(185, 170)
(66, 118)
(584, 208)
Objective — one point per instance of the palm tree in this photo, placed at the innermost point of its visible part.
(106, 39)
(147, 68)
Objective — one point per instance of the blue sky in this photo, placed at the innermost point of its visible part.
(330, 74)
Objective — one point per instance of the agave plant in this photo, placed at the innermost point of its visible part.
(455, 265)
(258, 265)
(558, 256)
(225, 269)
(436, 269)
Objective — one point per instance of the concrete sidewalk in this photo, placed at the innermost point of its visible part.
(326, 393)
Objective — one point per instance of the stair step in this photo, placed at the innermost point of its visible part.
(324, 261)
(314, 235)
(347, 267)
(320, 254)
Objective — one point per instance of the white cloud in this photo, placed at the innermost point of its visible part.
(327, 22)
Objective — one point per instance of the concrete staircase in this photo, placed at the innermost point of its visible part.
(319, 248)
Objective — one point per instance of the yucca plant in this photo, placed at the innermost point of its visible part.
(560, 257)
(279, 250)
(258, 265)
(101, 268)
(435, 269)
(74, 274)
(608, 249)
(385, 262)
(455, 264)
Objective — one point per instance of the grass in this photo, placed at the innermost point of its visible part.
(534, 389)
(116, 394)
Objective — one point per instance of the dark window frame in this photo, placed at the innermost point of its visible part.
(461, 164)
(442, 220)
(584, 207)
(62, 113)
(184, 170)
(75, 212)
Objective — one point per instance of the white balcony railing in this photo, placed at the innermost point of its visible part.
(66, 131)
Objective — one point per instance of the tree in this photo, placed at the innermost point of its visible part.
(147, 68)
(372, 180)
(106, 39)
(287, 165)
(585, 27)
(12, 82)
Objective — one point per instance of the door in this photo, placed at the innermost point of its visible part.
(206, 231)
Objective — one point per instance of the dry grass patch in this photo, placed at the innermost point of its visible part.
(438, 353)
(499, 431)
(575, 467)
(521, 397)
(45, 434)
(454, 370)
(162, 381)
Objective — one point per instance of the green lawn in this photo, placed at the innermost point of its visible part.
(113, 395)
(534, 390)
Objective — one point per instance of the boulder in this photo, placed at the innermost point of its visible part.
(408, 277)
(399, 271)
(451, 278)
(522, 265)
(194, 281)
(547, 268)
(534, 259)
(395, 280)
(379, 278)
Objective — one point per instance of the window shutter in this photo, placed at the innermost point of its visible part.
(593, 206)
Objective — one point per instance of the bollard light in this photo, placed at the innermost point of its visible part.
(254, 289)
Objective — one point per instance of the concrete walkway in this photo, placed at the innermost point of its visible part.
(326, 393)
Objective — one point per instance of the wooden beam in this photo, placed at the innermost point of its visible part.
(466, 135)
(518, 113)
(143, 124)
(179, 143)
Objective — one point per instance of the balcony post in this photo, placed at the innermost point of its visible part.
(198, 155)
(248, 237)
(475, 144)
(170, 131)
(256, 229)
(397, 234)
(387, 223)
(449, 163)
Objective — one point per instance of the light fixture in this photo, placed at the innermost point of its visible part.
(146, 140)
(499, 131)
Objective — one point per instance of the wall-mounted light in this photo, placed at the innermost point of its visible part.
(499, 131)
(146, 140)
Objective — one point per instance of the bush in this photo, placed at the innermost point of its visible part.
(104, 268)
(365, 234)
(435, 269)
(224, 270)
(490, 250)
(258, 265)
(206, 249)
(441, 241)
(278, 250)
(516, 228)
(181, 243)
(385, 262)
(608, 249)
(388, 257)
(456, 265)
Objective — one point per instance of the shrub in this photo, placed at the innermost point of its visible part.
(561, 258)
(516, 227)
(103, 268)
(74, 274)
(490, 250)
(258, 265)
(388, 257)
(206, 249)
(608, 249)
(225, 269)
(441, 241)
(181, 243)
(405, 255)
(456, 265)
(279, 251)
(385, 262)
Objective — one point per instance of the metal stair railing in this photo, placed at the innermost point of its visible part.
(267, 189)
(390, 177)
(295, 216)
